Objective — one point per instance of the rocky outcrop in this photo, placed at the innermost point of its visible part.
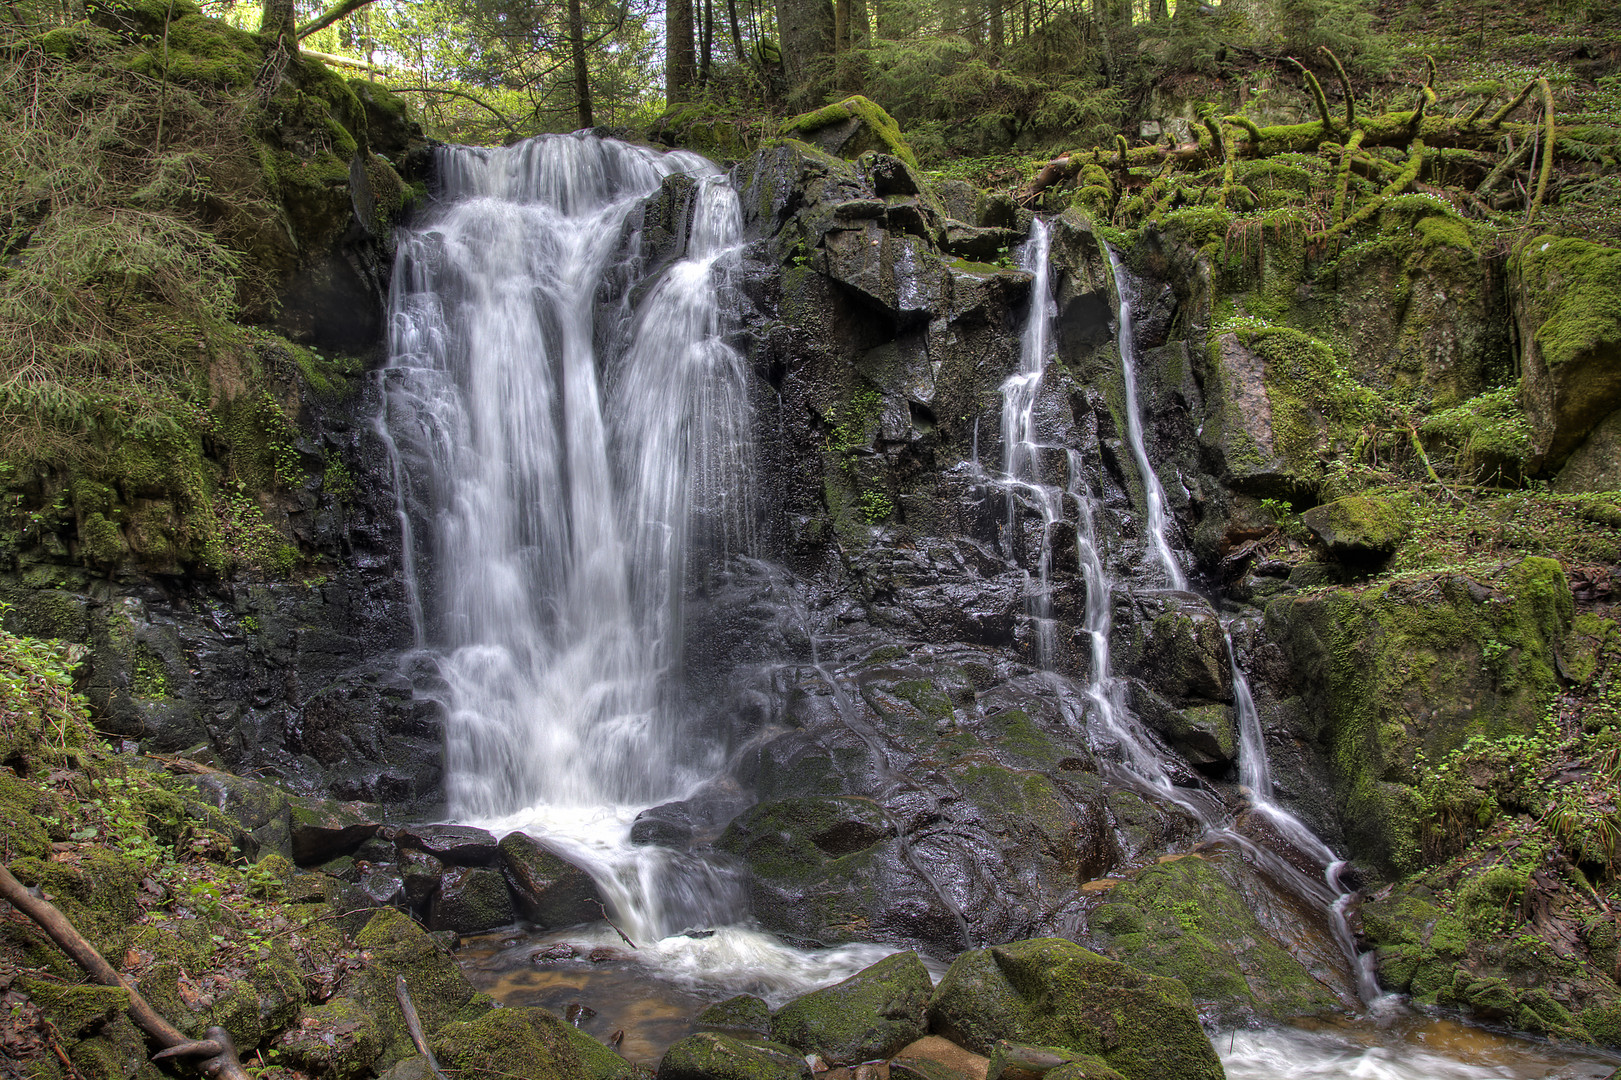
(1570, 334)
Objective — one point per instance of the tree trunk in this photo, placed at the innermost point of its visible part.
(998, 34)
(279, 23)
(737, 32)
(582, 73)
(680, 56)
(806, 27)
(708, 47)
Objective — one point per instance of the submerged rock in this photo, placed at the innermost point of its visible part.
(1052, 992)
(870, 1015)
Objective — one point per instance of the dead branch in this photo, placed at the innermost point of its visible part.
(413, 1024)
(218, 1053)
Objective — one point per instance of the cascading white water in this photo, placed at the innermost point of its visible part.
(567, 485)
(1255, 777)
(1020, 448)
(1153, 491)
(1142, 760)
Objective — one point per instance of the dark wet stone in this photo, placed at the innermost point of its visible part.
(420, 874)
(322, 830)
(470, 900)
(459, 845)
(549, 890)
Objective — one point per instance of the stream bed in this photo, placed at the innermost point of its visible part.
(653, 994)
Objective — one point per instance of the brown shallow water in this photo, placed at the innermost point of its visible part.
(652, 995)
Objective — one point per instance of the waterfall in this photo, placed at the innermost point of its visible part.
(1153, 492)
(1021, 454)
(1255, 777)
(1020, 448)
(1142, 761)
(572, 433)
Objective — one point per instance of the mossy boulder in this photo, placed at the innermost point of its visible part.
(744, 1012)
(339, 1040)
(1416, 665)
(322, 829)
(97, 893)
(1283, 403)
(1595, 465)
(710, 1055)
(812, 863)
(870, 1015)
(1085, 1067)
(548, 890)
(850, 128)
(470, 900)
(526, 1042)
(1360, 529)
(393, 945)
(1569, 316)
(21, 806)
(1185, 920)
(1052, 992)
(75, 1010)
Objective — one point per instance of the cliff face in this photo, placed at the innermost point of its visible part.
(902, 682)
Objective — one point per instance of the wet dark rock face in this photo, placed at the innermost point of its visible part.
(913, 758)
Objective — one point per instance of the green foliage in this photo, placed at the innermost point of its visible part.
(1488, 436)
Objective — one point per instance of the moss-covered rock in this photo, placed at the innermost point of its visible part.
(1184, 920)
(530, 1043)
(76, 1010)
(850, 128)
(1085, 1067)
(1421, 664)
(470, 900)
(339, 1040)
(393, 945)
(1569, 316)
(870, 1015)
(710, 1055)
(548, 890)
(1595, 465)
(1052, 992)
(1359, 529)
(97, 893)
(744, 1012)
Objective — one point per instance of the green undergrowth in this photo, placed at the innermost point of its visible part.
(166, 175)
(157, 882)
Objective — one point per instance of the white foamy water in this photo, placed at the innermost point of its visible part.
(575, 432)
(1436, 1050)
